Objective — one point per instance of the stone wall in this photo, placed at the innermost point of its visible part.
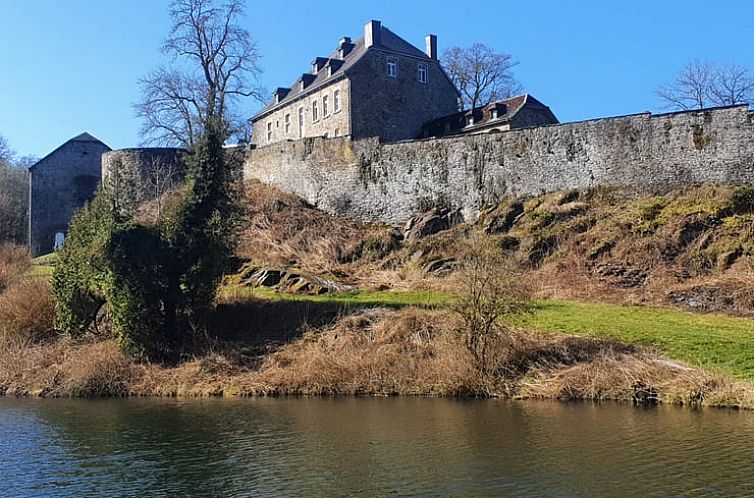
(392, 182)
(61, 184)
(141, 174)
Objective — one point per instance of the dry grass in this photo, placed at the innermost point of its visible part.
(14, 262)
(282, 230)
(27, 311)
(377, 352)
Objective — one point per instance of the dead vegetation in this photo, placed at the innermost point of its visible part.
(375, 352)
(14, 262)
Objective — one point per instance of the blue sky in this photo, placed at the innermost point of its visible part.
(72, 65)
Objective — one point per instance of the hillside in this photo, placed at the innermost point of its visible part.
(691, 249)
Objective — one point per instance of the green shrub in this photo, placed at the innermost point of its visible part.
(743, 199)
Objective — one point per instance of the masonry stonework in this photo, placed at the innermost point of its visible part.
(368, 180)
(59, 185)
(276, 127)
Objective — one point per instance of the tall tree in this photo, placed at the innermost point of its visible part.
(702, 84)
(480, 74)
(14, 197)
(215, 64)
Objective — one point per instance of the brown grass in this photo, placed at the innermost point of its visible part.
(282, 230)
(14, 262)
(26, 313)
(377, 352)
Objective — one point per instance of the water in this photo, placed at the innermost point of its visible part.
(369, 448)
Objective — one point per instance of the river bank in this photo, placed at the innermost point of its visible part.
(377, 352)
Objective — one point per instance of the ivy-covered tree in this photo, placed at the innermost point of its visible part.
(158, 280)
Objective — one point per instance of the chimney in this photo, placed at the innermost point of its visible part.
(431, 46)
(344, 47)
(372, 33)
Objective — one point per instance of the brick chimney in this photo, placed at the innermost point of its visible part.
(431, 46)
(372, 33)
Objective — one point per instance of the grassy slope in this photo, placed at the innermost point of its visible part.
(717, 343)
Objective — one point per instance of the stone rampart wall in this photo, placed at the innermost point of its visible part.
(392, 182)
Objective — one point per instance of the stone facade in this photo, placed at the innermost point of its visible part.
(392, 182)
(396, 108)
(378, 86)
(285, 123)
(141, 174)
(59, 185)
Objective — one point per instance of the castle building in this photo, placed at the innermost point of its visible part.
(59, 185)
(377, 86)
(521, 111)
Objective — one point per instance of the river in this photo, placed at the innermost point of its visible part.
(370, 448)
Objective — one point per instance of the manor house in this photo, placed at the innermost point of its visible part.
(377, 86)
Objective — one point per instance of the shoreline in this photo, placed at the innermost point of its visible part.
(377, 353)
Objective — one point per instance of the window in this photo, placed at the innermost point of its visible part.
(269, 131)
(392, 67)
(336, 101)
(336, 133)
(325, 106)
(300, 122)
(494, 113)
(421, 73)
(287, 121)
(277, 124)
(315, 111)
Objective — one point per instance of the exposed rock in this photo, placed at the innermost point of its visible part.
(703, 298)
(623, 275)
(441, 266)
(293, 282)
(433, 221)
(501, 218)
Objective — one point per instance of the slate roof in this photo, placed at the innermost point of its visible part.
(388, 41)
(84, 137)
(483, 116)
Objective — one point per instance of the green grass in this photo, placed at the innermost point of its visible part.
(390, 299)
(717, 343)
(42, 266)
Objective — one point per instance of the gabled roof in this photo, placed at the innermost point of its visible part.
(83, 137)
(483, 116)
(389, 41)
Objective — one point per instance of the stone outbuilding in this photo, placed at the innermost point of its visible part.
(59, 185)
(377, 86)
(521, 111)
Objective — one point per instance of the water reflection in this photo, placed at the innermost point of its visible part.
(369, 447)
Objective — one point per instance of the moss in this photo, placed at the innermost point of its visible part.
(743, 199)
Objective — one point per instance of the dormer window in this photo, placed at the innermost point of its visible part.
(470, 120)
(421, 73)
(494, 113)
(392, 67)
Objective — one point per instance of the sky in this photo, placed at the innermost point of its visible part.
(69, 66)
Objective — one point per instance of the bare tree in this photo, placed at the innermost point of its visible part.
(733, 84)
(161, 177)
(480, 74)
(14, 197)
(6, 154)
(215, 63)
(701, 84)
